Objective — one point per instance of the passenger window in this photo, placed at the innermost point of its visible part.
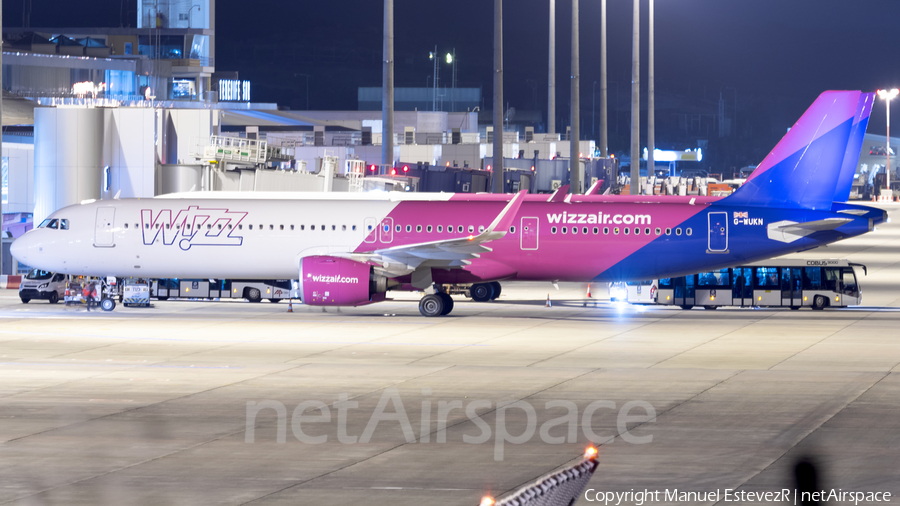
(280, 227)
(343, 228)
(126, 225)
(552, 230)
(574, 230)
(678, 231)
(449, 229)
(440, 228)
(370, 227)
(260, 226)
(408, 228)
(354, 228)
(512, 230)
(605, 230)
(688, 231)
(657, 231)
(584, 230)
(616, 231)
(565, 230)
(334, 228)
(146, 225)
(220, 226)
(240, 227)
(428, 229)
(323, 227)
(418, 228)
(292, 227)
(459, 229)
(637, 231)
(647, 231)
(596, 230)
(480, 229)
(303, 227)
(251, 227)
(209, 227)
(668, 231)
(471, 229)
(626, 230)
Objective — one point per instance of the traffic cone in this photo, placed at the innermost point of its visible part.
(290, 305)
(589, 291)
(548, 301)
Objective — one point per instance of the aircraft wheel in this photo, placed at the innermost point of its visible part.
(481, 292)
(687, 306)
(54, 298)
(431, 305)
(497, 289)
(448, 303)
(819, 302)
(107, 304)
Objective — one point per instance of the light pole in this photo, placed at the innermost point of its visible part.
(888, 95)
(593, 108)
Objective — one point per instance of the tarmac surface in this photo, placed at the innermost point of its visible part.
(150, 406)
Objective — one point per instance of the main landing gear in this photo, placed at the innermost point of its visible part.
(484, 292)
(436, 304)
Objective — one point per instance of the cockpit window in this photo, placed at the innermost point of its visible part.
(55, 223)
(44, 224)
(64, 224)
(38, 275)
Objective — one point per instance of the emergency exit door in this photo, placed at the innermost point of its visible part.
(103, 227)
(529, 237)
(718, 232)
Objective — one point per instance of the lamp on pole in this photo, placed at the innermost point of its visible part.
(888, 95)
(593, 108)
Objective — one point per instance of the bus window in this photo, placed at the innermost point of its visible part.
(766, 278)
(720, 278)
(832, 279)
(689, 286)
(665, 283)
(742, 287)
(849, 281)
(812, 278)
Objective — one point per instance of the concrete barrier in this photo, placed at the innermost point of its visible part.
(10, 282)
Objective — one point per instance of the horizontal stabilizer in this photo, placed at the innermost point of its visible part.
(790, 231)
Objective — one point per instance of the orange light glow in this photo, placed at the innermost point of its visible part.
(487, 501)
(591, 452)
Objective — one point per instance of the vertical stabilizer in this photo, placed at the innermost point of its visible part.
(804, 168)
(854, 146)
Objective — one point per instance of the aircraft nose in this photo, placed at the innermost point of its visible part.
(18, 249)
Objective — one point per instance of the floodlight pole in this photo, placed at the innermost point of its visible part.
(574, 146)
(604, 140)
(1, 145)
(551, 80)
(887, 179)
(387, 99)
(636, 101)
(651, 104)
(497, 177)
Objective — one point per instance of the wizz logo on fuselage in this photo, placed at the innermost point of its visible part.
(192, 227)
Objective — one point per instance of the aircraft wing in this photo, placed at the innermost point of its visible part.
(449, 253)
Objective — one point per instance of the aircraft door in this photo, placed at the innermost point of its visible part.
(369, 229)
(529, 238)
(103, 227)
(718, 232)
(791, 292)
(386, 230)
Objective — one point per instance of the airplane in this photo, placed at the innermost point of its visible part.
(351, 249)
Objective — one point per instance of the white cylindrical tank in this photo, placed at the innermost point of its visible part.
(68, 154)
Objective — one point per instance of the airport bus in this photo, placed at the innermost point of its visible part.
(781, 283)
(252, 290)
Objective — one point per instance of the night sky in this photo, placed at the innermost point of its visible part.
(789, 49)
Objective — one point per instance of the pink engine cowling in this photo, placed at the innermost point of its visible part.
(333, 281)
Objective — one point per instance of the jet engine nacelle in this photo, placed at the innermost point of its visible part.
(333, 281)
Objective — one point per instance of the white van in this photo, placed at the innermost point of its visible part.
(38, 284)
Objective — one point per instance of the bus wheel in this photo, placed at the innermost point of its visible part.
(819, 302)
(795, 308)
(274, 301)
(253, 295)
(710, 308)
(687, 306)
(162, 298)
(481, 292)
